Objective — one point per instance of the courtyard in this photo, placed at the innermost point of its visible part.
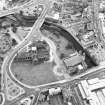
(34, 75)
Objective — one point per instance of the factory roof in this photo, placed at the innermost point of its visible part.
(73, 60)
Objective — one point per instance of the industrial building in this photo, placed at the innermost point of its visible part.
(75, 63)
(92, 91)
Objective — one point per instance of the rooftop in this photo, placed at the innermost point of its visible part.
(73, 60)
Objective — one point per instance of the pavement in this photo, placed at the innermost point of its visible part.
(34, 31)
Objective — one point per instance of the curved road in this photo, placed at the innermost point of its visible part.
(34, 31)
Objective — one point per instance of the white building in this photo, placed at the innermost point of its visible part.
(93, 90)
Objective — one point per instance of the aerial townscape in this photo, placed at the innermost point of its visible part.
(52, 52)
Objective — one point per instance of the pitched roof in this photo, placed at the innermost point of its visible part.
(73, 60)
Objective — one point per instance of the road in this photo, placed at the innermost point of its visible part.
(33, 32)
(98, 69)
(17, 9)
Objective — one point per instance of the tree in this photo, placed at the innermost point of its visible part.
(14, 42)
(62, 56)
(69, 46)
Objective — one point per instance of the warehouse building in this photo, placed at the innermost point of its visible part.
(92, 91)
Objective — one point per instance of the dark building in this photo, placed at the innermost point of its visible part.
(36, 56)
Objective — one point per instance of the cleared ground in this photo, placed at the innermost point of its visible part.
(64, 47)
(34, 74)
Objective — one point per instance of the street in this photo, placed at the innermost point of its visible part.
(34, 31)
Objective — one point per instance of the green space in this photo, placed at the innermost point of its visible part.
(34, 74)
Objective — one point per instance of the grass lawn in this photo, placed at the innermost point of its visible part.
(34, 74)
